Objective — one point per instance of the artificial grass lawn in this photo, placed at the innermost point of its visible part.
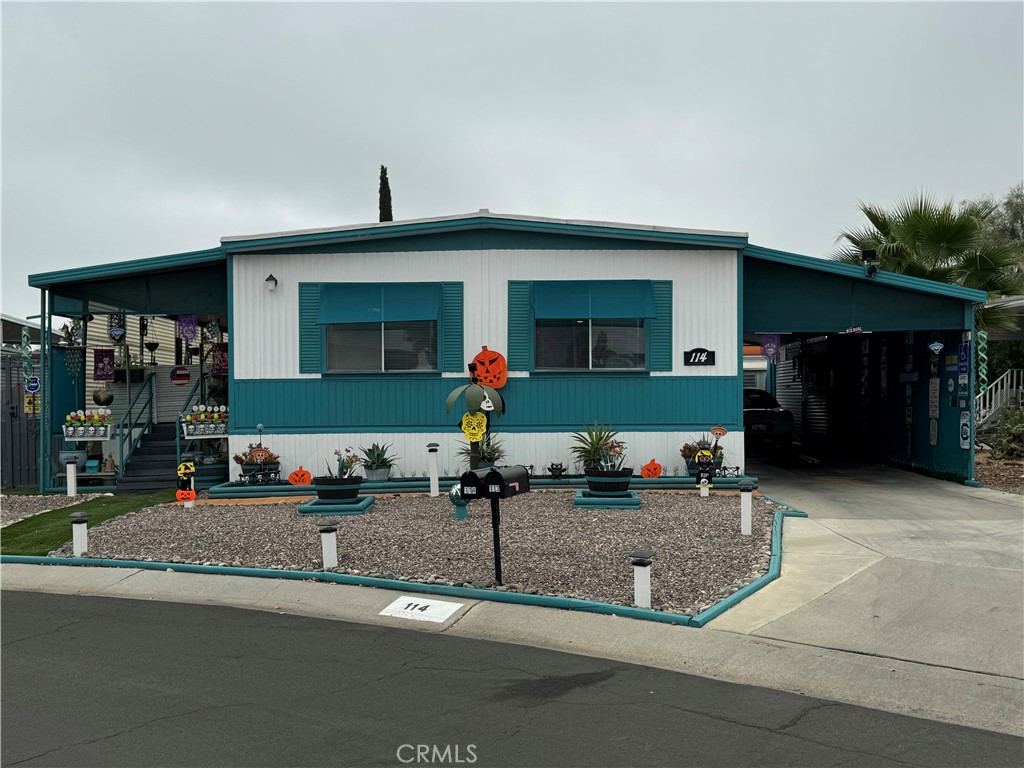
(25, 490)
(43, 533)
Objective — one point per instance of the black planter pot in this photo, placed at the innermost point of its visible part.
(608, 480)
(335, 488)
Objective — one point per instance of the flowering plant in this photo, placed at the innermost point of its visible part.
(348, 460)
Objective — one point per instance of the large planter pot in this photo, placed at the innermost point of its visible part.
(378, 475)
(608, 480)
(335, 488)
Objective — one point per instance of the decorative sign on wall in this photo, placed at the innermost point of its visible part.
(103, 365)
(770, 343)
(698, 356)
(180, 375)
(965, 430)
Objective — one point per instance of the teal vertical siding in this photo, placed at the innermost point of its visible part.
(549, 403)
(520, 326)
(310, 333)
(661, 327)
(451, 336)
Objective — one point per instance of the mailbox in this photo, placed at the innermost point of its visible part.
(472, 483)
(506, 482)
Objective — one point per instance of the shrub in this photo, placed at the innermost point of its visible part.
(1008, 442)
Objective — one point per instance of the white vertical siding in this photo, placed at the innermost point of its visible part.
(537, 448)
(265, 328)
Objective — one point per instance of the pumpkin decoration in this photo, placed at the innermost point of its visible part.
(188, 495)
(719, 432)
(491, 368)
(300, 477)
(651, 469)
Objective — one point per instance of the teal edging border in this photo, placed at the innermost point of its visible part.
(543, 601)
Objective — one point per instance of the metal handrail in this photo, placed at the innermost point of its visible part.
(998, 395)
(184, 410)
(147, 386)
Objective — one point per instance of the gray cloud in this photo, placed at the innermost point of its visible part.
(132, 130)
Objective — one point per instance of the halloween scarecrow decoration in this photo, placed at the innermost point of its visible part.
(481, 400)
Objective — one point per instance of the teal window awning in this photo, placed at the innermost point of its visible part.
(594, 299)
(378, 302)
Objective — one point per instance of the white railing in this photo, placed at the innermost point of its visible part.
(1002, 393)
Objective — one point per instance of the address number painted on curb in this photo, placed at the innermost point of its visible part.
(421, 609)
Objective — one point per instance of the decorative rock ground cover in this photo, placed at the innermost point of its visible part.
(548, 547)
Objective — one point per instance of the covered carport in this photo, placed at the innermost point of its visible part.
(874, 366)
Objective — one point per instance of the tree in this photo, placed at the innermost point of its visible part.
(937, 241)
(384, 196)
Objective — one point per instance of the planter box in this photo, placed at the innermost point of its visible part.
(90, 432)
(378, 475)
(334, 488)
(608, 480)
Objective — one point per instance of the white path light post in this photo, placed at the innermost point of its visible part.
(328, 543)
(641, 560)
(746, 502)
(72, 475)
(79, 533)
(435, 488)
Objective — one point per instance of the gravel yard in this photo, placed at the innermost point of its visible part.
(15, 508)
(548, 547)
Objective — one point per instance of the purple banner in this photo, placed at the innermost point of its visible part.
(103, 365)
(219, 359)
(770, 343)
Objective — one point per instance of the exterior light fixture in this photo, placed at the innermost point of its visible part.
(870, 259)
(271, 283)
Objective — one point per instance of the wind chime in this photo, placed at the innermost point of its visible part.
(116, 332)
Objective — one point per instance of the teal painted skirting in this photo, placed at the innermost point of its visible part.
(550, 403)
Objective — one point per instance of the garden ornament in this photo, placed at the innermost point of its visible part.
(474, 426)
(651, 469)
(490, 368)
(719, 432)
(475, 394)
(556, 470)
(300, 477)
(486, 405)
(186, 495)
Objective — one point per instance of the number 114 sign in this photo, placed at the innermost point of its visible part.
(421, 608)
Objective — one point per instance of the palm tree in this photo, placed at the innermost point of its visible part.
(940, 241)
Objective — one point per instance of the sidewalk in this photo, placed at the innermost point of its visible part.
(900, 593)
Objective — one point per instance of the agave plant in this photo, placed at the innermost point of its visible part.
(377, 456)
(491, 449)
(597, 447)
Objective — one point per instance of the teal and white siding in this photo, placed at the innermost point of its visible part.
(306, 413)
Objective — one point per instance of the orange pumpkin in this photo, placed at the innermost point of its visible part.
(491, 368)
(188, 495)
(651, 469)
(300, 477)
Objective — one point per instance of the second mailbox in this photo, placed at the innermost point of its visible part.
(506, 482)
(472, 483)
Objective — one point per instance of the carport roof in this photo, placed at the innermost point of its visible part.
(853, 271)
(126, 268)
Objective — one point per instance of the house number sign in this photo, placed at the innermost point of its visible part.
(698, 356)
(421, 608)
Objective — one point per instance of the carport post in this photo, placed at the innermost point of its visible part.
(746, 494)
(435, 489)
(328, 544)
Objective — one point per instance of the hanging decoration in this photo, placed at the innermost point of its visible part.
(188, 330)
(26, 354)
(74, 354)
(103, 365)
(117, 328)
(219, 359)
(211, 331)
(770, 343)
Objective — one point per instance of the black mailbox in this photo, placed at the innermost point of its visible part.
(473, 484)
(506, 482)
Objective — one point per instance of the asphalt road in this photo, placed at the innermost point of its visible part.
(113, 682)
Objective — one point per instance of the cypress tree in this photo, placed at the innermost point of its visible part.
(384, 195)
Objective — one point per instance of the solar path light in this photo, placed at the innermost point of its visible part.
(435, 488)
(328, 543)
(79, 533)
(746, 495)
(641, 560)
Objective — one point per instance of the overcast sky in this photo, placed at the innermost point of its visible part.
(135, 130)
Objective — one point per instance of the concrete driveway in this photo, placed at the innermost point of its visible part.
(894, 564)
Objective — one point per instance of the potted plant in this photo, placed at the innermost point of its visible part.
(602, 457)
(344, 485)
(491, 450)
(377, 462)
(257, 458)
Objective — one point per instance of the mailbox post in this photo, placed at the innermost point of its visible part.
(495, 484)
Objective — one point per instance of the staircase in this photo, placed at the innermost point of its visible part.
(154, 464)
(1005, 392)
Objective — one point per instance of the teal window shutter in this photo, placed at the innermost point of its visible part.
(310, 332)
(661, 327)
(451, 340)
(520, 326)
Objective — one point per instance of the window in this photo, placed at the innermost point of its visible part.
(380, 327)
(592, 325)
(409, 345)
(586, 344)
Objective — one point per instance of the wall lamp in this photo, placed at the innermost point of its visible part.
(271, 283)
(870, 259)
